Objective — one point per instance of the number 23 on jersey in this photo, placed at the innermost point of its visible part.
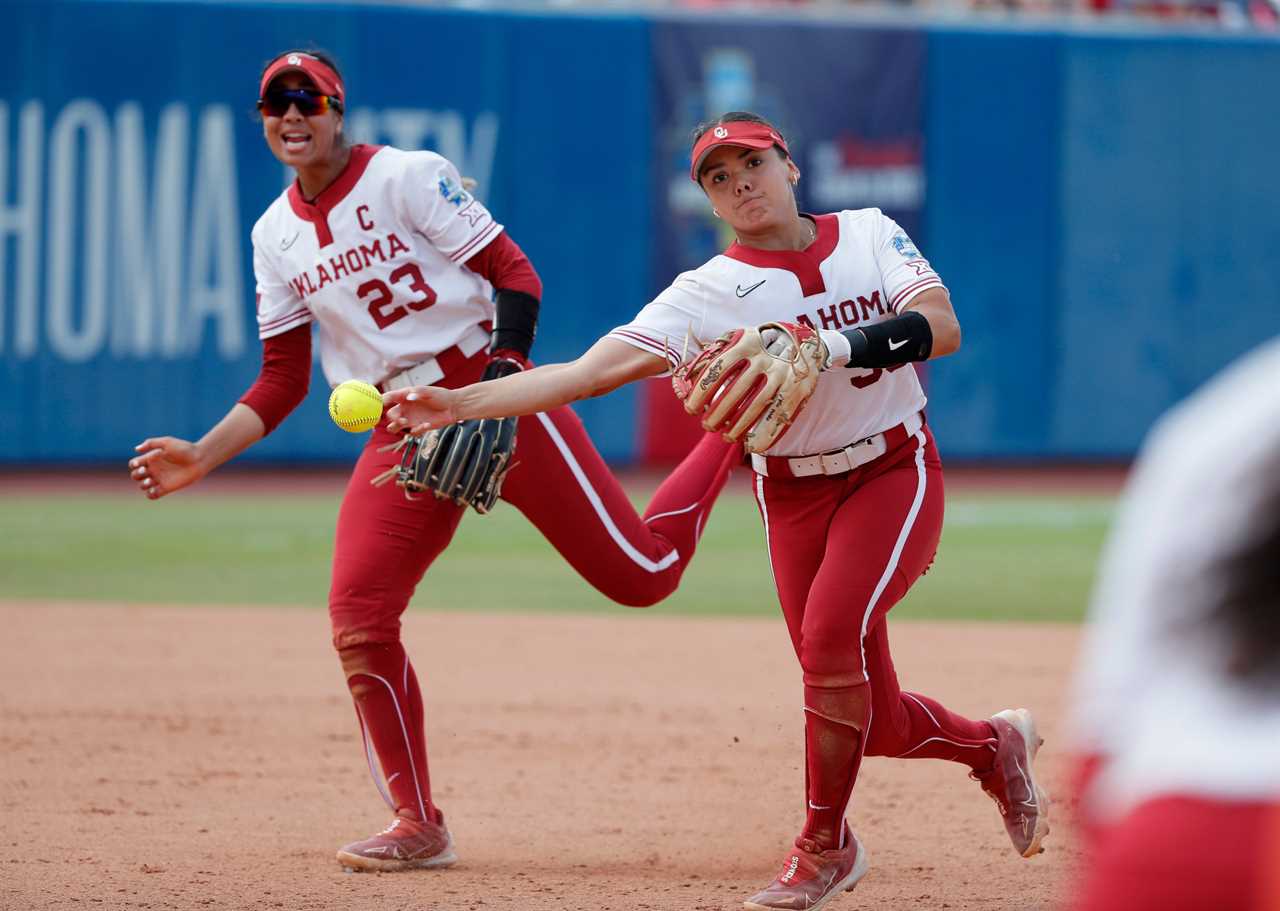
(382, 302)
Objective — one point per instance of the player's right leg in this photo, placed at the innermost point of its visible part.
(915, 726)
(562, 485)
(1000, 753)
(383, 545)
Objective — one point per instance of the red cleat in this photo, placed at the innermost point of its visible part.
(812, 877)
(1011, 781)
(406, 844)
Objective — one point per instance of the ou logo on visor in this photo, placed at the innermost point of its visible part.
(721, 133)
(294, 60)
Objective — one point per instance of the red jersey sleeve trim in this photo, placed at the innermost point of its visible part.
(274, 326)
(904, 296)
(646, 344)
(471, 247)
(284, 377)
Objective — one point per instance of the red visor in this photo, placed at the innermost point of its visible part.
(742, 133)
(325, 79)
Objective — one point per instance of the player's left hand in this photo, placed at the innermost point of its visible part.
(751, 384)
(418, 409)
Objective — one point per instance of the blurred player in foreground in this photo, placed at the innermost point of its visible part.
(1178, 697)
(851, 497)
(406, 274)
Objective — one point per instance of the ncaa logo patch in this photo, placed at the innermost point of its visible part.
(904, 246)
(452, 193)
(721, 133)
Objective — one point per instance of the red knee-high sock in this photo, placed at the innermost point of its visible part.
(388, 706)
(679, 508)
(835, 719)
(936, 732)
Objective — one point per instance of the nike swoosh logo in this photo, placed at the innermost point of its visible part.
(1033, 803)
(814, 806)
(894, 346)
(286, 244)
(743, 292)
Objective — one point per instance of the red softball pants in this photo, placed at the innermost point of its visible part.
(385, 543)
(1182, 853)
(844, 549)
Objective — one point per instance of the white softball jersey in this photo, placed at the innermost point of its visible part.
(1153, 697)
(377, 260)
(860, 270)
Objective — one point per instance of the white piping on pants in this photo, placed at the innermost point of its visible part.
(764, 514)
(408, 744)
(594, 498)
(898, 545)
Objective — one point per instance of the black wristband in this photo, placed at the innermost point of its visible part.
(896, 341)
(516, 322)
(499, 367)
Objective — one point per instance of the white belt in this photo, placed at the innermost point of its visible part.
(429, 371)
(838, 461)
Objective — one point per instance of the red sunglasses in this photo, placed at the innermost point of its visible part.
(310, 103)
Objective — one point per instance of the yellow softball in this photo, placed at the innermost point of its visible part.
(355, 406)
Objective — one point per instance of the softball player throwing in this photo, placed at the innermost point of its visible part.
(851, 496)
(412, 282)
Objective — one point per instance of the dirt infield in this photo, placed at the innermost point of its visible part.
(187, 758)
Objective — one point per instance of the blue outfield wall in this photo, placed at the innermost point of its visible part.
(128, 190)
(1101, 206)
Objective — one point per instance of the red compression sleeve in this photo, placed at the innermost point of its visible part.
(286, 372)
(504, 264)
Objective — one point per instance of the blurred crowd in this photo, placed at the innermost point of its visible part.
(1229, 14)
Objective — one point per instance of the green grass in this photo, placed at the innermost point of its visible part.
(1015, 557)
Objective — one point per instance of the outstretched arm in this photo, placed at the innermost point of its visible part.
(164, 465)
(167, 464)
(607, 365)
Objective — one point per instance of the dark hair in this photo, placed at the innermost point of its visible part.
(1249, 607)
(732, 117)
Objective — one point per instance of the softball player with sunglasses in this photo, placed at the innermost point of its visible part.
(411, 281)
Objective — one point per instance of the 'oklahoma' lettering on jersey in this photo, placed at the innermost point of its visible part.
(349, 262)
(860, 270)
(390, 238)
